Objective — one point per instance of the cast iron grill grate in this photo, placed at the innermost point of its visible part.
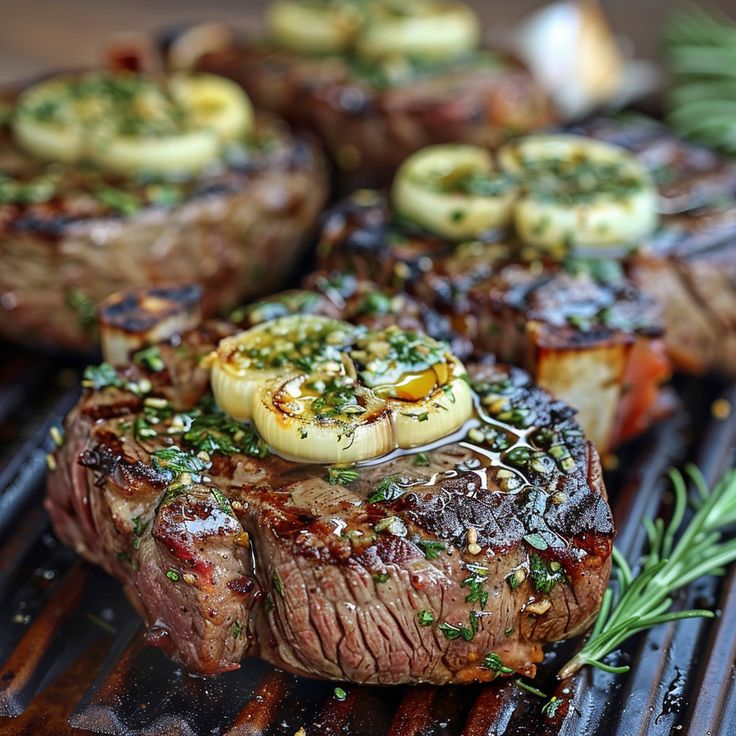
(71, 652)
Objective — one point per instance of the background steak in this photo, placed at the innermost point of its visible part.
(239, 233)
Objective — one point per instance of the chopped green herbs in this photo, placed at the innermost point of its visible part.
(118, 200)
(421, 460)
(338, 476)
(236, 630)
(543, 577)
(493, 663)
(549, 709)
(100, 376)
(431, 548)
(382, 577)
(173, 575)
(388, 489)
(425, 618)
(150, 358)
(475, 582)
(459, 631)
(174, 460)
(277, 585)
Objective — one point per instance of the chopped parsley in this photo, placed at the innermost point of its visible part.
(150, 358)
(493, 663)
(388, 489)
(173, 575)
(430, 547)
(337, 476)
(475, 582)
(382, 577)
(452, 631)
(236, 630)
(277, 585)
(543, 577)
(101, 376)
(174, 460)
(425, 618)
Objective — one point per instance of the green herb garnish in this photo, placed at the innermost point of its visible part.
(338, 476)
(637, 602)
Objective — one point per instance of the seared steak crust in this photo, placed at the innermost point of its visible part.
(370, 126)
(583, 331)
(378, 580)
(237, 230)
(689, 266)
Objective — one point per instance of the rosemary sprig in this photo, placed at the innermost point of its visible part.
(674, 559)
(700, 49)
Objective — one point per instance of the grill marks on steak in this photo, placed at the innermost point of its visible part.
(592, 339)
(63, 256)
(370, 127)
(690, 264)
(260, 556)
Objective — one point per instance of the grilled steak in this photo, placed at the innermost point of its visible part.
(370, 124)
(71, 236)
(689, 267)
(583, 331)
(453, 565)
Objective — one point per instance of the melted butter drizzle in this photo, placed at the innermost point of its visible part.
(492, 459)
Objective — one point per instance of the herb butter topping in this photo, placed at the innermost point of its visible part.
(322, 390)
(130, 123)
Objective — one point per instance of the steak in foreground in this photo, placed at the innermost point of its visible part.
(451, 565)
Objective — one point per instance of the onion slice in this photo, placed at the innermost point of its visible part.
(431, 29)
(320, 390)
(310, 28)
(323, 418)
(579, 193)
(453, 191)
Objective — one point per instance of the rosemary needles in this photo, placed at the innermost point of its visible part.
(675, 558)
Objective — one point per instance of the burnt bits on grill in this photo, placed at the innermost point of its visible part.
(451, 565)
(582, 329)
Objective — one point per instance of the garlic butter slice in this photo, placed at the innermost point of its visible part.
(454, 191)
(579, 192)
(129, 123)
(430, 29)
(321, 390)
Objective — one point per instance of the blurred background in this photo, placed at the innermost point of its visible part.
(41, 34)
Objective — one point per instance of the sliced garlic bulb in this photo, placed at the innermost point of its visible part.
(50, 123)
(435, 29)
(320, 390)
(129, 123)
(313, 27)
(214, 103)
(579, 193)
(282, 347)
(453, 191)
(323, 418)
(172, 154)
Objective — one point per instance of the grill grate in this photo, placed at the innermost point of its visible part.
(72, 656)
